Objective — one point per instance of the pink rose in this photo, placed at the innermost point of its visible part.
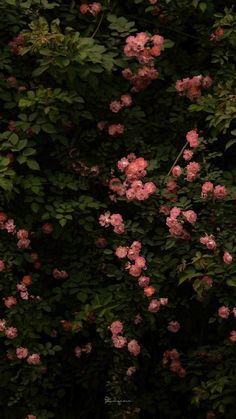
(227, 258)
(133, 347)
(149, 291)
(154, 306)
(119, 341)
(21, 353)
(224, 312)
(176, 171)
(10, 301)
(116, 327)
(33, 359)
(220, 192)
(173, 326)
(233, 336)
(11, 332)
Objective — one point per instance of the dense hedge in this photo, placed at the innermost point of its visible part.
(117, 209)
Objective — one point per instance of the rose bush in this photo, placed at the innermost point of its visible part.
(117, 250)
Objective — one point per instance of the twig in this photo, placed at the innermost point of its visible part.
(177, 158)
(98, 26)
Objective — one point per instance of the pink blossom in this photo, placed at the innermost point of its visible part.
(164, 209)
(10, 301)
(123, 163)
(154, 306)
(78, 351)
(207, 187)
(227, 258)
(207, 280)
(187, 154)
(126, 100)
(116, 327)
(140, 262)
(175, 212)
(224, 312)
(208, 241)
(173, 326)
(21, 353)
(164, 301)
(104, 219)
(220, 192)
(176, 171)
(101, 125)
(57, 274)
(233, 336)
(134, 347)
(95, 8)
(10, 226)
(33, 359)
(119, 229)
(150, 187)
(143, 281)
(192, 169)
(149, 291)
(207, 81)
(116, 219)
(134, 270)
(192, 138)
(11, 332)
(121, 252)
(23, 243)
(2, 325)
(119, 341)
(116, 129)
(115, 106)
(190, 216)
(31, 417)
(22, 234)
(130, 371)
(2, 265)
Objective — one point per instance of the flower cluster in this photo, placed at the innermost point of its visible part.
(93, 8)
(176, 227)
(116, 220)
(124, 102)
(208, 241)
(218, 192)
(137, 46)
(133, 254)
(120, 341)
(172, 358)
(132, 187)
(224, 312)
(192, 87)
(86, 349)
(140, 79)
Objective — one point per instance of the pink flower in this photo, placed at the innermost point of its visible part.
(220, 192)
(115, 106)
(154, 306)
(208, 241)
(33, 359)
(140, 262)
(150, 187)
(119, 229)
(57, 274)
(190, 216)
(10, 226)
(126, 100)
(116, 219)
(31, 417)
(233, 336)
(134, 270)
(119, 341)
(175, 212)
(101, 125)
(104, 219)
(2, 325)
(176, 171)
(22, 234)
(121, 252)
(116, 129)
(116, 327)
(207, 280)
(133, 347)
(206, 188)
(143, 281)
(149, 291)
(78, 351)
(192, 170)
(23, 243)
(173, 326)
(164, 301)
(2, 265)
(192, 138)
(187, 154)
(224, 312)
(10, 301)
(21, 353)
(84, 8)
(122, 163)
(130, 371)
(11, 332)
(227, 258)
(95, 8)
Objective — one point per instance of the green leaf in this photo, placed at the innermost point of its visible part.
(33, 164)
(231, 282)
(230, 143)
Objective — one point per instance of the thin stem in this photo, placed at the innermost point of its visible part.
(177, 158)
(98, 26)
